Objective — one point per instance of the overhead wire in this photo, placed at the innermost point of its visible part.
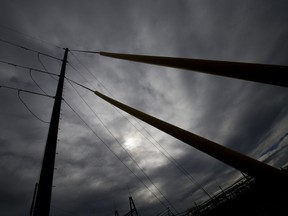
(79, 73)
(192, 179)
(29, 68)
(110, 149)
(30, 36)
(27, 91)
(184, 213)
(165, 212)
(86, 51)
(29, 49)
(30, 73)
(174, 161)
(22, 101)
(90, 73)
(262, 73)
(169, 157)
(30, 109)
(89, 89)
(130, 156)
(42, 64)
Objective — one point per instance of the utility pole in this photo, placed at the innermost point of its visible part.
(43, 198)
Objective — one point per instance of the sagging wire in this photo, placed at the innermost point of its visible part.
(130, 156)
(75, 69)
(109, 92)
(30, 92)
(30, 109)
(89, 89)
(170, 158)
(32, 37)
(29, 68)
(30, 73)
(86, 51)
(110, 149)
(38, 57)
(27, 91)
(28, 49)
(190, 177)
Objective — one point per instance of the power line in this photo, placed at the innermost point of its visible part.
(170, 158)
(28, 49)
(30, 73)
(27, 91)
(262, 73)
(43, 200)
(239, 161)
(30, 109)
(22, 101)
(174, 161)
(30, 36)
(130, 156)
(42, 64)
(80, 84)
(86, 51)
(75, 69)
(86, 124)
(29, 68)
(88, 81)
(91, 73)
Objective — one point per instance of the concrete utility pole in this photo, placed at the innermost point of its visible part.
(43, 198)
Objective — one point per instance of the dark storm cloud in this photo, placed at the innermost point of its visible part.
(89, 179)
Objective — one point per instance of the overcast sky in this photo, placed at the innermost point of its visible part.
(92, 177)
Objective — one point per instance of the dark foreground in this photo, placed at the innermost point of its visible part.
(246, 197)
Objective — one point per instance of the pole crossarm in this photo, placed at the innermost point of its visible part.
(263, 73)
(248, 165)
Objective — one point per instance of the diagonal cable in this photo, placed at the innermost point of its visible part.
(169, 157)
(110, 149)
(30, 109)
(30, 73)
(130, 156)
(29, 49)
(29, 68)
(27, 91)
(38, 57)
